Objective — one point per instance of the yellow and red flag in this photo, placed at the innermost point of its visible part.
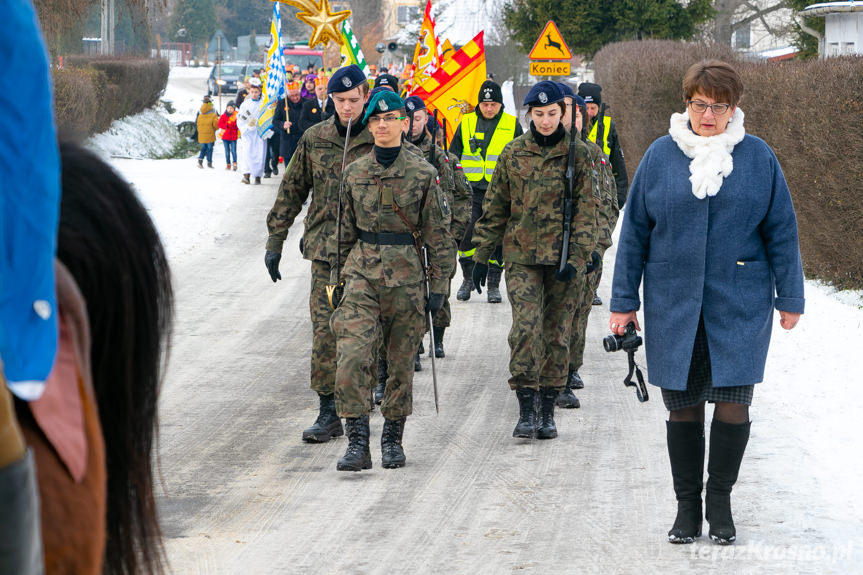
(427, 51)
(452, 90)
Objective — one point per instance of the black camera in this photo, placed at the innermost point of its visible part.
(629, 339)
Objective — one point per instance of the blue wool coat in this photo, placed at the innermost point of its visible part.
(731, 257)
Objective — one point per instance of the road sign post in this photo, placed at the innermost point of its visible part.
(550, 55)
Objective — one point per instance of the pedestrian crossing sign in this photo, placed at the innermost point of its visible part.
(550, 45)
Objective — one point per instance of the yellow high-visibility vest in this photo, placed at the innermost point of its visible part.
(474, 166)
(606, 122)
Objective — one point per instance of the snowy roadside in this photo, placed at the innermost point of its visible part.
(804, 414)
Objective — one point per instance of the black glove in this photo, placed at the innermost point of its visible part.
(568, 273)
(480, 273)
(594, 263)
(435, 302)
(272, 260)
(301, 245)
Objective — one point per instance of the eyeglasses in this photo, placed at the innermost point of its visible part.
(389, 119)
(700, 107)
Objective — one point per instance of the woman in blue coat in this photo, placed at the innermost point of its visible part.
(711, 230)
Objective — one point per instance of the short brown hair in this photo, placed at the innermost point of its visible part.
(715, 79)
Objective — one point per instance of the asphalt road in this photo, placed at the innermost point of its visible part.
(242, 493)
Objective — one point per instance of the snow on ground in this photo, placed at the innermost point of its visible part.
(806, 413)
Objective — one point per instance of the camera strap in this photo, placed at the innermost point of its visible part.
(640, 389)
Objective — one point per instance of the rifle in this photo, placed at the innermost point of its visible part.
(428, 281)
(600, 128)
(336, 291)
(570, 192)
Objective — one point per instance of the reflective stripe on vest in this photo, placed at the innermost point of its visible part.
(606, 122)
(474, 167)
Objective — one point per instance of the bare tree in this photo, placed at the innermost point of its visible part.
(734, 14)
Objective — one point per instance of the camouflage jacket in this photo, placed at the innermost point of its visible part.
(369, 208)
(607, 209)
(315, 168)
(524, 205)
(462, 198)
(453, 183)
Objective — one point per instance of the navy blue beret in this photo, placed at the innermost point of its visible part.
(345, 79)
(543, 93)
(567, 90)
(414, 103)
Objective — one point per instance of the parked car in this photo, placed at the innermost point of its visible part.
(228, 81)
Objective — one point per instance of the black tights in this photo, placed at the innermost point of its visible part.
(725, 412)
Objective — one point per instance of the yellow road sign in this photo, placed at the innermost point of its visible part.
(550, 45)
(549, 68)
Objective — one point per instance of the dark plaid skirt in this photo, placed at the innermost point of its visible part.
(699, 384)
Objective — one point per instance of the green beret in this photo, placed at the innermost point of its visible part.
(382, 102)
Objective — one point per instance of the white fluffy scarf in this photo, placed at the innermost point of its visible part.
(711, 156)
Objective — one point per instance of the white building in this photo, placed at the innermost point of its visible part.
(843, 27)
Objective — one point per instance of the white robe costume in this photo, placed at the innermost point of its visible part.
(254, 149)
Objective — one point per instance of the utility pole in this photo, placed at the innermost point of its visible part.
(108, 25)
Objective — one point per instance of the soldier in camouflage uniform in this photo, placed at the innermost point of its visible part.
(606, 213)
(458, 193)
(390, 196)
(316, 169)
(524, 207)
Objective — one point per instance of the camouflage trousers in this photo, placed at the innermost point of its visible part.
(371, 312)
(323, 374)
(542, 311)
(579, 320)
(443, 318)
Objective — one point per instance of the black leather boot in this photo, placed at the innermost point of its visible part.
(381, 387)
(685, 441)
(438, 342)
(596, 299)
(545, 428)
(327, 425)
(463, 293)
(358, 456)
(526, 426)
(566, 399)
(417, 365)
(494, 273)
(392, 453)
(727, 445)
(575, 381)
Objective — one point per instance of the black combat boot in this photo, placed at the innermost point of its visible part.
(727, 444)
(358, 456)
(526, 426)
(574, 379)
(686, 452)
(494, 273)
(596, 299)
(392, 453)
(463, 293)
(381, 387)
(246, 178)
(417, 365)
(566, 399)
(327, 425)
(545, 428)
(438, 342)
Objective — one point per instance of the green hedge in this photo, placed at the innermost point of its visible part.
(90, 93)
(809, 112)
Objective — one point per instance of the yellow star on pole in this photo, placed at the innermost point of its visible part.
(324, 22)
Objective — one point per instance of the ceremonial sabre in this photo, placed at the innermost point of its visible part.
(428, 281)
(336, 291)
